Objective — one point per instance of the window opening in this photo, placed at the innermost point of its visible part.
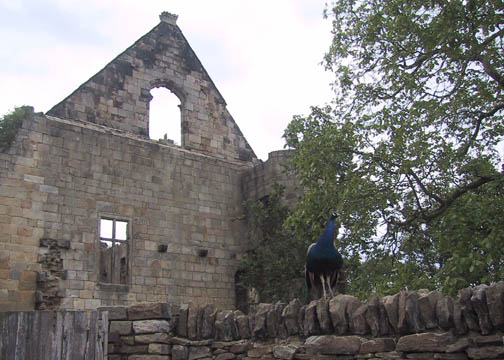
(165, 116)
(114, 250)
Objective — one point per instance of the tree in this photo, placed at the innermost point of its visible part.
(407, 153)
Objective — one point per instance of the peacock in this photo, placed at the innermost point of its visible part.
(323, 262)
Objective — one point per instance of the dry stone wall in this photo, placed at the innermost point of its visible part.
(408, 325)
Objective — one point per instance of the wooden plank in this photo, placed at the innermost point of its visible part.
(32, 335)
(46, 328)
(10, 333)
(104, 326)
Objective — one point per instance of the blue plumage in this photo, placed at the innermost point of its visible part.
(323, 261)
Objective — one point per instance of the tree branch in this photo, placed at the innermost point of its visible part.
(445, 204)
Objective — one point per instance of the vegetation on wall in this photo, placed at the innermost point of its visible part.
(274, 268)
(10, 124)
(408, 152)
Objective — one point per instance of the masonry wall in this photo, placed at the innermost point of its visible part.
(259, 181)
(60, 176)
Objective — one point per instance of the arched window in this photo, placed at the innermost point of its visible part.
(164, 116)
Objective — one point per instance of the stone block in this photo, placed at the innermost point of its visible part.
(333, 345)
(120, 327)
(162, 338)
(285, 351)
(425, 342)
(290, 316)
(378, 345)
(198, 352)
(150, 311)
(160, 349)
(151, 326)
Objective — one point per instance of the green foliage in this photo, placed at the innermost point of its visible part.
(9, 126)
(407, 153)
(275, 266)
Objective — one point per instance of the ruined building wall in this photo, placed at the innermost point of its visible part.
(118, 96)
(172, 210)
(258, 182)
(60, 177)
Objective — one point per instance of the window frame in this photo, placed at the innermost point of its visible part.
(115, 242)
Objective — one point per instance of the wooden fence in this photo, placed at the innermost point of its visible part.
(53, 335)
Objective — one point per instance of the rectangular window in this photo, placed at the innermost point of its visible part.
(114, 250)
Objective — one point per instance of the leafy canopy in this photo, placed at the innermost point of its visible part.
(407, 153)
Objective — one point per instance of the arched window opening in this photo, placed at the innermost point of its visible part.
(165, 116)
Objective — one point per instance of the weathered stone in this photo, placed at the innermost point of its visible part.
(467, 309)
(192, 321)
(391, 304)
(225, 326)
(120, 327)
(151, 326)
(495, 302)
(488, 340)
(479, 303)
(341, 307)
(285, 351)
(148, 357)
(179, 352)
(162, 338)
(115, 312)
(377, 345)
(458, 319)
(198, 352)
(385, 327)
(427, 301)
(358, 323)
(373, 314)
(333, 345)
(128, 340)
(182, 320)
(323, 317)
(259, 351)
(310, 323)
(290, 315)
(459, 356)
(444, 312)
(242, 323)
(260, 331)
(281, 329)
(150, 311)
(272, 322)
(409, 315)
(135, 349)
(239, 348)
(225, 356)
(161, 349)
(486, 352)
(206, 322)
(425, 342)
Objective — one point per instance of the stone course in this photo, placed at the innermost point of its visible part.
(284, 336)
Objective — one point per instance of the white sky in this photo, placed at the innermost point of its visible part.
(263, 55)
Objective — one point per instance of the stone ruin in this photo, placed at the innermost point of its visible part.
(94, 213)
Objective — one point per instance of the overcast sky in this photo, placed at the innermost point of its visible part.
(263, 55)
